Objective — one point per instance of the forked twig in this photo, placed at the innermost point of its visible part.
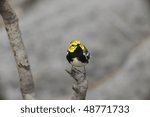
(81, 84)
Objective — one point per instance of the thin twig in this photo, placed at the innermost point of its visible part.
(81, 84)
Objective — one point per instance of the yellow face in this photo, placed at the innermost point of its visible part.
(73, 45)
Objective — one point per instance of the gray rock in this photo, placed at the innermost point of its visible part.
(129, 82)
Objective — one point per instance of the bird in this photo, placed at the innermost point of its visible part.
(77, 54)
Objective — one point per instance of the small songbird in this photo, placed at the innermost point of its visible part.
(77, 54)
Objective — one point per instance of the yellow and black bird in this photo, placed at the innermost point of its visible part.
(77, 54)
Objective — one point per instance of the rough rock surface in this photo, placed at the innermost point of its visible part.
(116, 33)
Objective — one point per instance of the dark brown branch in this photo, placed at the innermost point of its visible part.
(12, 27)
(81, 85)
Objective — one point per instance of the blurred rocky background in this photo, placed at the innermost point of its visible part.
(116, 32)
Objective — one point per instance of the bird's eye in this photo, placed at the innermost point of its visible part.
(73, 45)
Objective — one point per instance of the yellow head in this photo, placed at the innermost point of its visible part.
(73, 45)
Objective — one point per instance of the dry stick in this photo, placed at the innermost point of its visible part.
(81, 84)
(12, 27)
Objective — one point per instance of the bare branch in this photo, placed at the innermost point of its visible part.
(12, 27)
(81, 85)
